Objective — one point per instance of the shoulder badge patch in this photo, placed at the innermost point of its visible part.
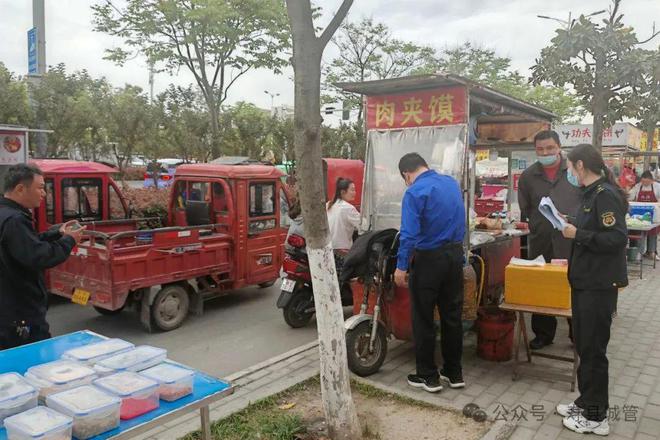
(608, 219)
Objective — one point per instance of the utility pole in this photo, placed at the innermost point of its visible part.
(38, 28)
(151, 82)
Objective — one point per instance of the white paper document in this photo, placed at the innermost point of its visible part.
(538, 261)
(549, 211)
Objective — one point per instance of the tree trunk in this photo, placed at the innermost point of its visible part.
(599, 106)
(338, 406)
(215, 131)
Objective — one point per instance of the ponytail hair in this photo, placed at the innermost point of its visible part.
(593, 161)
(342, 185)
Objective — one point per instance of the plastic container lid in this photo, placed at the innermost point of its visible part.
(126, 384)
(13, 387)
(38, 421)
(61, 372)
(131, 358)
(167, 373)
(98, 349)
(83, 401)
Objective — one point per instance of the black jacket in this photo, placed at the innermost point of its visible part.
(24, 255)
(598, 260)
(544, 239)
(360, 260)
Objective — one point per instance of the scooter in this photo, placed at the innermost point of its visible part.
(297, 296)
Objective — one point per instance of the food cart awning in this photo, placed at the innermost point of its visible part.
(488, 104)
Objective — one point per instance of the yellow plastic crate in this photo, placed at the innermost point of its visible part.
(545, 286)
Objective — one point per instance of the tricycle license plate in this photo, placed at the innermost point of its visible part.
(80, 296)
(288, 285)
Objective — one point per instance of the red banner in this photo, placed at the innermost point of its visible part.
(424, 108)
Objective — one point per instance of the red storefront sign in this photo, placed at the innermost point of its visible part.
(441, 106)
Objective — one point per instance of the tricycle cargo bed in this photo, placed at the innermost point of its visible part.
(109, 267)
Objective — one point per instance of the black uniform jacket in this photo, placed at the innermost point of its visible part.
(24, 255)
(598, 260)
(533, 185)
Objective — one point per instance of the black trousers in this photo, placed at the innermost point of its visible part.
(545, 327)
(436, 280)
(592, 319)
(9, 338)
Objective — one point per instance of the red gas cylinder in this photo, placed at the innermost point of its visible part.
(495, 334)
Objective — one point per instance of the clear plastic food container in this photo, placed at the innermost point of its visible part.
(16, 395)
(59, 376)
(140, 358)
(175, 381)
(39, 423)
(93, 353)
(138, 394)
(93, 411)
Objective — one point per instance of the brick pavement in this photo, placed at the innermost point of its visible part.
(527, 404)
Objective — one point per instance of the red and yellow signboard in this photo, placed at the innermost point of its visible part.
(442, 106)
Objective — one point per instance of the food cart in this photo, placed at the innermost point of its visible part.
(439, 116)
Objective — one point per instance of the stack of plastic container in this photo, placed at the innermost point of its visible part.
(16, 395)
(175, 381)
(93, 353)
(93, 411)
(138, 359)
(39, 423)
(138, 394)
(58, 376)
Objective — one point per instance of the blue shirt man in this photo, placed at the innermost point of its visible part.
(432, 215)
(432, 231)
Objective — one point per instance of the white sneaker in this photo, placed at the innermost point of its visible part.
(579, 424)
(566, 410)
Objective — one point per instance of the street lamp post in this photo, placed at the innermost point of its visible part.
(272, 100)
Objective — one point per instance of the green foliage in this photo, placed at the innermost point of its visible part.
(217, 41)
(486, 67)
(14, 107)
(72, 105)
(646, 95)
(601, 61)
(368, 51)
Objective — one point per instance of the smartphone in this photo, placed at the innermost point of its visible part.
(75, 226)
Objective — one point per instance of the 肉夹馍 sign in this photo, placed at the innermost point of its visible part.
(441, 106)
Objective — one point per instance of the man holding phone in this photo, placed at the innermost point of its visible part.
(24, 255)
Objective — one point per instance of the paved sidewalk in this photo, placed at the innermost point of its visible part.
(525, 408)
(634, 354)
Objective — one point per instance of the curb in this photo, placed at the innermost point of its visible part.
(270, 362)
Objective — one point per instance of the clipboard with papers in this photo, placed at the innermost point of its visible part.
(549, 211)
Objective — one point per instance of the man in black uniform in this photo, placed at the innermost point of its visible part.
(23, 257)
(546, 178)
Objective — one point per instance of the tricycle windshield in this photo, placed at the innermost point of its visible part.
(443, 148)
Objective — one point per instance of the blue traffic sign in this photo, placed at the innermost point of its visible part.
(32, 51)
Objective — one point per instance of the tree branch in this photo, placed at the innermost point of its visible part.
(335, 22)
(653, 35)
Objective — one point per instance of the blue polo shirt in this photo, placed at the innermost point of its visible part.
(432, 215)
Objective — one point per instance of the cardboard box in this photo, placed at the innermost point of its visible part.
(545, 286)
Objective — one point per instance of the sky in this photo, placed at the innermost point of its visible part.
(510, 27)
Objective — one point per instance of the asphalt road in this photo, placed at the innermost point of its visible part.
(235, 332)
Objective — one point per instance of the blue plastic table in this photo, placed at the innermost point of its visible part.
(207, 389)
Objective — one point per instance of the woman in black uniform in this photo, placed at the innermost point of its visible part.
(597, 271)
